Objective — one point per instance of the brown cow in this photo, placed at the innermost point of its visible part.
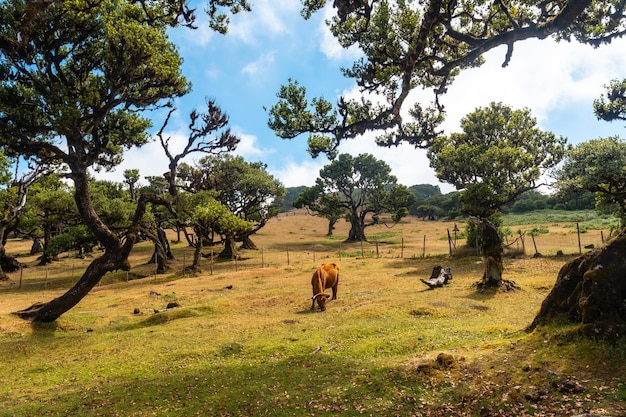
(326, 276)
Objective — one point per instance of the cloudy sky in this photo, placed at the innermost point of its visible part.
(244, 70)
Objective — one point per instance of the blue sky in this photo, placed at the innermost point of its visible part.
(244, 70)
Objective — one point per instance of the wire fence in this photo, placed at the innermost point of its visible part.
(66, 273)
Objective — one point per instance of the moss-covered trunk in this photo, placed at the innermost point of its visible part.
(591, 291)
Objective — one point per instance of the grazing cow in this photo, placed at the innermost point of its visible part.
(326, 276)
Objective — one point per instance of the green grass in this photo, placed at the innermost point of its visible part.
(257, 349)
(589, 219)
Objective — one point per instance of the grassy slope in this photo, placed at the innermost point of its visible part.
(257, 349)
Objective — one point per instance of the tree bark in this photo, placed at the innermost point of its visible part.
(357, 228)
(162, 250)
(331, 227)
(52, 310)
(7, 263)
(590, 290)
(36, 247)
(247, 243)
(198, 249)
(491, 251)
(230, 249)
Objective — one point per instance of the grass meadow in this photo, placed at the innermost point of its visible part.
(245, 343)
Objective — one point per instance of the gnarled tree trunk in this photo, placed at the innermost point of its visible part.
(247, 243)
(52, 310)
(591, 291)
(357, 228)
(491, 251)
(162, 250)
(230, 249)
(115, 255)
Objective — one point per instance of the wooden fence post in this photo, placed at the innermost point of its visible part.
(578, 233)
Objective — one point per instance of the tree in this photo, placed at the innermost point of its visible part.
(500, 154)
(51, 208)
(367, 189)
(614, 105)
(75, 75)
(598, 166)
(213, 218)
(208, 134)
(14, 189)
(246, 188)
(326, 205)
(131, 177)
(424, 45)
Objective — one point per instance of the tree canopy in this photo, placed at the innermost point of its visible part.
(410, 45)
(612, 106)
(500, 154)
(598, 166)
(75, 75)
(364, 188)
(246, 188)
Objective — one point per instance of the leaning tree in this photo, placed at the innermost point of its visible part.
(500, 154)
(76, 76)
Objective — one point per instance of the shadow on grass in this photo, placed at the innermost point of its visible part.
(308, 383)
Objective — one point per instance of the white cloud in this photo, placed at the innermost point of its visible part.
(329, 45)
(249, 148)
(295, 173)
(267, 17)
(542, 76)
(261, 64)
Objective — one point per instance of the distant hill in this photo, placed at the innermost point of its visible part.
(290, 196)
(432, 204)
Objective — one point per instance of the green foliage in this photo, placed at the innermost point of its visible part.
(424, 45)
(218, 20)
(73, 238)
(355, 187)
(73, 86)
(500, 154)
(613, 107)
(246, 188)
(293, 115)
(597, 166)
(216, 218)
